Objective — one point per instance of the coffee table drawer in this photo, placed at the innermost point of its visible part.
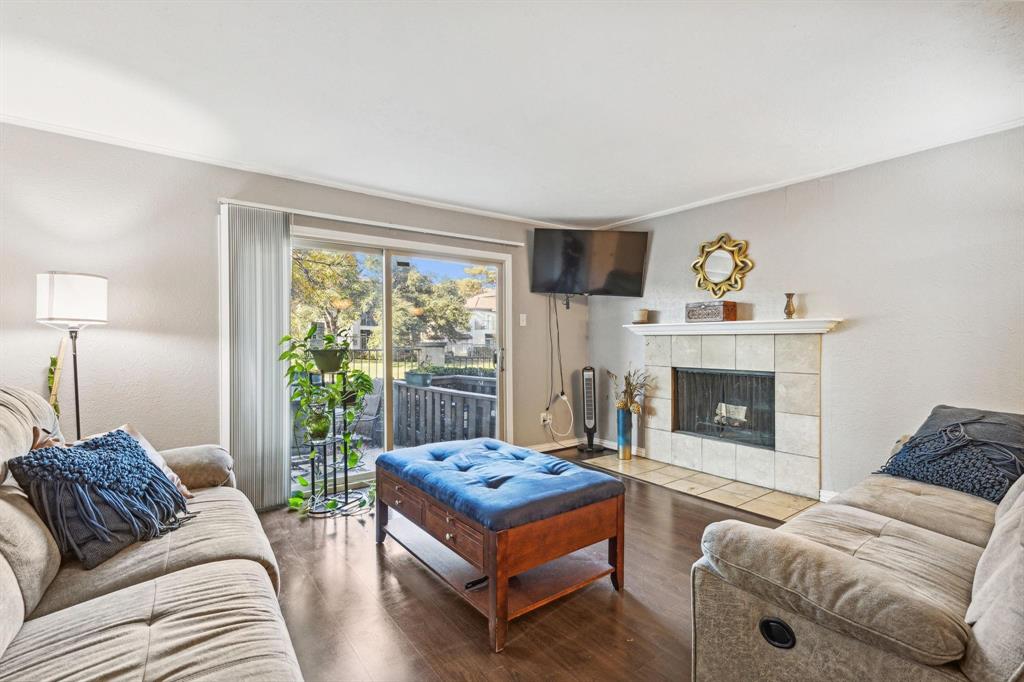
(403, 499)
(465, 541)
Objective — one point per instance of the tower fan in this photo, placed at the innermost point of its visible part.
(589, 377)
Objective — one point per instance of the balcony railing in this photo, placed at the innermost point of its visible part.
(428, 414)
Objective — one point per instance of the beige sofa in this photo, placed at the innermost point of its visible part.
(198, 603)
(891, 580)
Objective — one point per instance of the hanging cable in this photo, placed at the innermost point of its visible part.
(555, 345)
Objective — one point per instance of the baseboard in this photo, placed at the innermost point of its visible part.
(560, 445)
(826, 495)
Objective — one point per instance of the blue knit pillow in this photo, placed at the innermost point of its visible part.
(99, 496)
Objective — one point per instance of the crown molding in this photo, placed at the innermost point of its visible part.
(234, 165)
(981, 132)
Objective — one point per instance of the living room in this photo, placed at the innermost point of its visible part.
(569, 340)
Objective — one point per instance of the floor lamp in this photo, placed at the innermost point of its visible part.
(70, 301)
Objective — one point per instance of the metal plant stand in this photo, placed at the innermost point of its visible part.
(329, 501)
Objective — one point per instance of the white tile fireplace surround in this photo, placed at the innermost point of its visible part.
(791, 349)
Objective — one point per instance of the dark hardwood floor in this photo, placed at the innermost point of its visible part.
(359, 611)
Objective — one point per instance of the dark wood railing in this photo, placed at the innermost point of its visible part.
(428, 414)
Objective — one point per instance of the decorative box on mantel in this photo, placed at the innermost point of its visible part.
(741, 375)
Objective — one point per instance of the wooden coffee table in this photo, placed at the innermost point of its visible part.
(525, 566)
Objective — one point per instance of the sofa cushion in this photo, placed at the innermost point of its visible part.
(26, 545)
(225, 527)
(884, 582)
(218, 621)
(499, 485)
(996, 613)
(949, 512)
(20, 410)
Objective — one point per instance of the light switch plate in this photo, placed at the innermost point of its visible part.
(522, 319)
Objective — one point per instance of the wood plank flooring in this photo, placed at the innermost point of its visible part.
(359, 611)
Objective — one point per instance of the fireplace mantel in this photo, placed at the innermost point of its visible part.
(797, 326)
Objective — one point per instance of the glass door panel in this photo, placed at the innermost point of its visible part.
(342, 288)
(446, 347)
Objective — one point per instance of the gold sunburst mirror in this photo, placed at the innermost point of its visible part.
(721, 265)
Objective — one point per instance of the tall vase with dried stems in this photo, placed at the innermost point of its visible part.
(628, 401)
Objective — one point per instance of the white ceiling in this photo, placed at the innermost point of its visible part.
(575, 113)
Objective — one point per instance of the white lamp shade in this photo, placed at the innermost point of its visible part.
(70, 299)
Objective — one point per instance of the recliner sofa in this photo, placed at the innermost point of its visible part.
(197, 603)
(891, 580)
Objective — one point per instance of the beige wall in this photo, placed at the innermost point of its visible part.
(148, 222)
(923, 256)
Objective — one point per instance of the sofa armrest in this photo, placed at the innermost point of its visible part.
(202, 466)
(835, 590)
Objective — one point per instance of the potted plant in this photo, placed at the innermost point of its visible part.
(317, 401)
(628, 402)
(420, 376)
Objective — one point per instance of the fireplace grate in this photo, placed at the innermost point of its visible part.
(726, 404)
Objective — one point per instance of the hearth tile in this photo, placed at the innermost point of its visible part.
(718, 352)
(708, 480)
(656, 476)
(662, 381)
(772, 511)
(745, 490)
(658, 350)
(686, 451)
(723, 496)
(797, 475)
(798, 353)
(718, 457)
(686, 351)
(755, 352)
(797, 393)
(755, 465)
(658, 445)
(678, 472)
(688, 485)
(658, 413)
(796, 514)
(794, 503)
(797, 434)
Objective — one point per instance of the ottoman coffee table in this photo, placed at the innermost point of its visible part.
(513, 521)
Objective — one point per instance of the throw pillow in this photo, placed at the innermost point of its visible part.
(976, 452)
(153, 454)
(99, 496)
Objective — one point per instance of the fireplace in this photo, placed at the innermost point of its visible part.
(731, 405)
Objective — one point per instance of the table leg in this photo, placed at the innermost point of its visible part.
(497, 587)
(382, 517)
(617, 545)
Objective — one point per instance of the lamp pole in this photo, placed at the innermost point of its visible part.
(73, 332)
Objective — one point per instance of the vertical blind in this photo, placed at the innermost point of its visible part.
(258, 285)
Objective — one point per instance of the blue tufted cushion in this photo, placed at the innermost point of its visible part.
(496, 484)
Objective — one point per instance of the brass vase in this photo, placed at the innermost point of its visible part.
(790, 309)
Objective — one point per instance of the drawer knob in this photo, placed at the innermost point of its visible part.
(449, 536)
(398, 502)
(448, 518)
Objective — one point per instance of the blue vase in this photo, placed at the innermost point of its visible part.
(625, 433)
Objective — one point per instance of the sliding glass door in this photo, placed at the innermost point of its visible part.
(427, 328)
(446, 348)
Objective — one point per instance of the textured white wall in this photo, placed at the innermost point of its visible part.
(148, 222)
(924, 258)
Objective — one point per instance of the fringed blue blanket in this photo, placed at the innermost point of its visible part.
(953, 458)
(99, 496)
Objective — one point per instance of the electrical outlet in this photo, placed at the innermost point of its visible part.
(545, 418)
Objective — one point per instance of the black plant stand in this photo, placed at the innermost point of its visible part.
(328, 501)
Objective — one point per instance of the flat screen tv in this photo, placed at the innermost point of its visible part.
(593, 262)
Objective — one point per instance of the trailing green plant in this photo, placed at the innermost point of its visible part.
(51, 376)
(317, 400)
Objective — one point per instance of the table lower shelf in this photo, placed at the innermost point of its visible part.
(526, 592)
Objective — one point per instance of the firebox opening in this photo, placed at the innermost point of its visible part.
(726, 404)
